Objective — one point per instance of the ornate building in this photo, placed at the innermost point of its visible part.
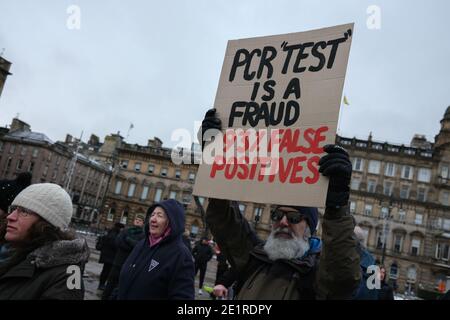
(400, 198)
(5, 65)
(85, 180)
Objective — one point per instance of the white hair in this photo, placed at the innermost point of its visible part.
(293, 248)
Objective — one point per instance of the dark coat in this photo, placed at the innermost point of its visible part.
(337, 276)
(363, 292)
(202, 253)
(163, 271)
(45, 273)
(385, 292)
(125, 243)
(108, 246)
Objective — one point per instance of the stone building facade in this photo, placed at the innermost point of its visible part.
(85, 180)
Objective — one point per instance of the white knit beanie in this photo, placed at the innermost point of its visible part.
(49, 201)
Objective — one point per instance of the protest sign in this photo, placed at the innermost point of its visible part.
(278, 100)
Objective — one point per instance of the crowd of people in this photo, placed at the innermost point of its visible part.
(153, 259)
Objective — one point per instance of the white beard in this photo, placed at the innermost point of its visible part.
(277, 248)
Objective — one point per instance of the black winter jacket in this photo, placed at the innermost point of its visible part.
(49, 272)
(163, 271)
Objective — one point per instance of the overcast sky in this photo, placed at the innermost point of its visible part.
(156, 64)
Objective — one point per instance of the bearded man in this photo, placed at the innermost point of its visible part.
(292, 264)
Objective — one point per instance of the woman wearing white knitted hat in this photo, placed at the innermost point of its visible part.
(39, 258)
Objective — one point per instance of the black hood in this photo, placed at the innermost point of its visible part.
(175, 212)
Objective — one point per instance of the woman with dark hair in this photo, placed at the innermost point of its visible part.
(39, 259)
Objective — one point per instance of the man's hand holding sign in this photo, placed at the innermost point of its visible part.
(278, 100)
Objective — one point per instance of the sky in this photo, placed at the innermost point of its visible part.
(156, 64)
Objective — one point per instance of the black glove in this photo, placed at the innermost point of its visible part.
(337, 166)
(209, 122)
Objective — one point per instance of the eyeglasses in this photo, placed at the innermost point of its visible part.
(21, 211)
(293, 217)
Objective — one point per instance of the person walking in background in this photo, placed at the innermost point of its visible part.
(107, 246)
(202, 253)
(125, 242)
(38, 255)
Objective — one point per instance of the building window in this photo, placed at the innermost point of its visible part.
(398, 243)
(380, 239)
(393, 272)
(407, 172)
(144, 193)
(242, 208)
(19, 164)
(173, 195)
(158, 194)
(12, 148)
(151, 168)
(8, 163)
(118, 188)
(177, 174)
(374, 166)
(445, 252)
(424, 175)
(352, 206)
(191, 176)
(412, 274)
(111, 213)
(201, 200)
(444, 172)
(31, 166)
(384, 212)
(358, 164)
(124, 164)
(419, 218)
(404, 192)
(421, 194)
(401, 215)
(371, 185)
(355, 183)
(187, 197)
(131, 189)
(35, 153)
(444, 198)
(387, 189)
(368, 210)
(164, 172)
(124, 217)
(257, 213)
(446, 225)
(389, 169)
(55, 174)
(44, 173)
(137, 167)
(23, 151)
(415, 247)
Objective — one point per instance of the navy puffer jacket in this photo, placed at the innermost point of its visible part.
(164, 271)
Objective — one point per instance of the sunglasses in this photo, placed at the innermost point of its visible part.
(23, 212)
(293, 217)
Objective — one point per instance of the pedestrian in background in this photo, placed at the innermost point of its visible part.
(125, 242)
(160, 266)
(202, 253)
(37, 254)
(107, 246)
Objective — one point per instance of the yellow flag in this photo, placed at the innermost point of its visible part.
(346, 101)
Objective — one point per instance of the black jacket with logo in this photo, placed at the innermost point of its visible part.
(164, 271)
